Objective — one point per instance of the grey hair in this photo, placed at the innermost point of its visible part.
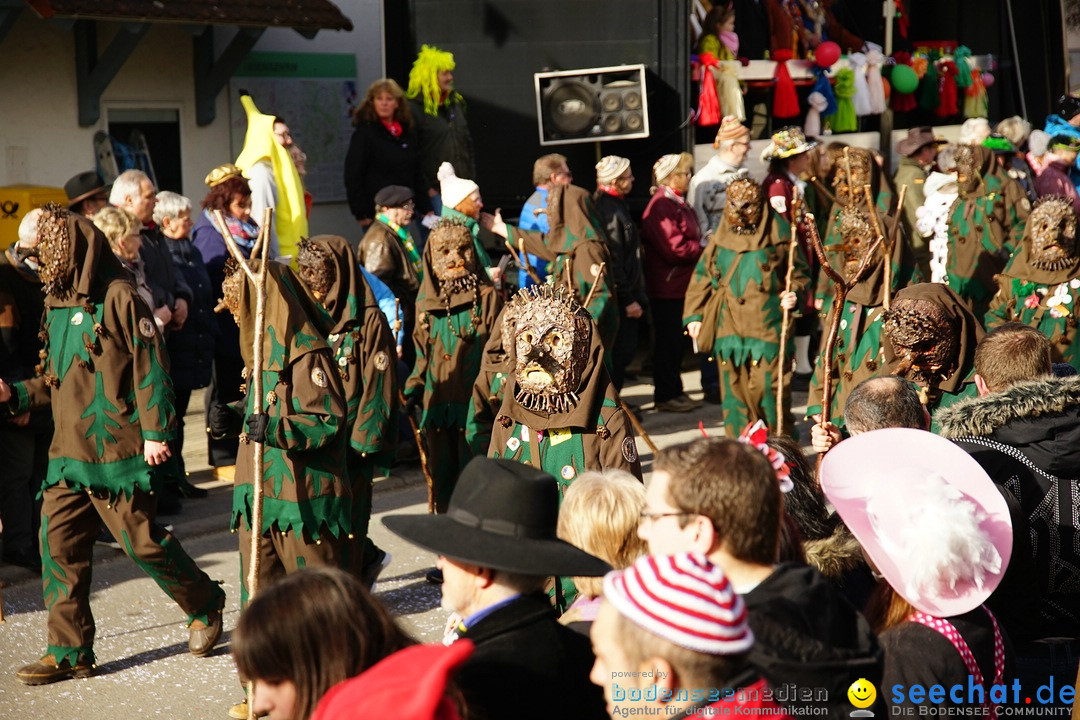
(126, 185)
(170, 205)
(884, 402)
(28, 227)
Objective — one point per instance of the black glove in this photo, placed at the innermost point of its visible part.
(256, 427)
(412, 402)
(222, 422)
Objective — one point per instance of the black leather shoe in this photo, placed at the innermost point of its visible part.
(711, 395)
(801, 381)
(47, 670)
(187, 490)
(434, 576)
(202, 637)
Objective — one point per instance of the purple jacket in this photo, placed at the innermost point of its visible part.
(671, 237)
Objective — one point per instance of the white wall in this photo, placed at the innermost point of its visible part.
(41, 142)
(40, 138)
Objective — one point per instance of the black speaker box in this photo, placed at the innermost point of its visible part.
(608, 103)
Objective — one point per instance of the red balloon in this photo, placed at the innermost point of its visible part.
(827, 54)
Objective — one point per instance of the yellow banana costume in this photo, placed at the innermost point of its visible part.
(290, 214)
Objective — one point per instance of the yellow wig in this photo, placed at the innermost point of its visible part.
(424, 77)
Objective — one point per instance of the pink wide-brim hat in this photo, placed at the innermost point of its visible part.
(876, 481)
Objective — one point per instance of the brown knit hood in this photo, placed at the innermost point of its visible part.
(348, 294)
(76, 261)
(968, 331)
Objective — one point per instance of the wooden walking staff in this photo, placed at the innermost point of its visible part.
(785, 319)
(523, 262)
(843, 287)
(415, 428)
(258, 279)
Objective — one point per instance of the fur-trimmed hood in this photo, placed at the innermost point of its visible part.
(835, 556)
(1041, 418)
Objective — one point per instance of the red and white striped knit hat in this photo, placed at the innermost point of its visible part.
(684, 599)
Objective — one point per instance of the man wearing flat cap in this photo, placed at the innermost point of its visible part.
(917, 151)
(497, 546)
(87, 193)
(388, 252)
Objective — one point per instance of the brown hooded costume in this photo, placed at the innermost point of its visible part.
(365, 353)
(735, 294)
(859, 346)
(575, 247)
(930, 339)
(307, 499)
(454, 319)
(105, 371)
(986, 223)
(1041, 285)
(574, 419)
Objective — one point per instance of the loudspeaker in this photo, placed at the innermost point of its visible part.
(576, 106)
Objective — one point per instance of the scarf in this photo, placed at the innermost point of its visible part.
(243, 232)
(406, 240)
(393, 127)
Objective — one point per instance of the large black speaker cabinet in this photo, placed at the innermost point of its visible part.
(576, 106)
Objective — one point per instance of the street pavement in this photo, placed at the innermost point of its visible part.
(144, 669)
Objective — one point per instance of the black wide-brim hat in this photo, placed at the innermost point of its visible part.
(502, 515)
(84, 185)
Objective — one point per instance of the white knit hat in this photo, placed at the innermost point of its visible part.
(452, 188)
(610, 168)
(684, 599)
(663, 167)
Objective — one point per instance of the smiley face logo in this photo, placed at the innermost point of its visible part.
(862, 693)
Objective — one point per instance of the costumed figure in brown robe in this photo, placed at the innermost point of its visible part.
(1040, 286)
(105, 371)
(848, 182)
(985, 226)
(456, 311)
(734, 306)
(300, 422)
(930, 339)
(859, 346)
(559, 411)
(364, 350)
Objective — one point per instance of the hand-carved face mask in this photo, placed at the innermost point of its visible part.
(453, 257)
(316, 268)
(857, 235)
(552, 333)
(742, 206)
(968, 161)
(54, 253)
(849, 185)
(1052, 226)
(925, 341)
(230, 289)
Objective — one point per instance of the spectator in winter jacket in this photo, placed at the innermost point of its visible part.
(672, 239)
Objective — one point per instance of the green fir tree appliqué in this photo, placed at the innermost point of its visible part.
(376, 415)
(99, 409)
(66, 341)
(52, 575)
(161, 395)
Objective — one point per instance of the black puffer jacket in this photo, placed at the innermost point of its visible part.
(1027, 438)
(624, 243)
(191, 348)
(807, 633)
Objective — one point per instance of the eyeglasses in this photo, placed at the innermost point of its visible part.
(651, 516)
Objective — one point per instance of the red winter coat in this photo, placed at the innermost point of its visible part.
(671, 237)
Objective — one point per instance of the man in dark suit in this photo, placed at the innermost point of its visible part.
(497, 546)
